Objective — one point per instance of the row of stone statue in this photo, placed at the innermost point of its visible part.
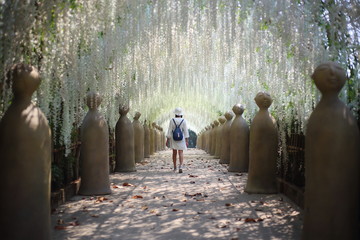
(332, 156)
(134, 141)
(26, 153)
(233, 142)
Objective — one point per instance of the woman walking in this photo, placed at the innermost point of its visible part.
(178, 137)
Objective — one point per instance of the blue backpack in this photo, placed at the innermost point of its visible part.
(177, 133)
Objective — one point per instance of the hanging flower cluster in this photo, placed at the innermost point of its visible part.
(204, 56)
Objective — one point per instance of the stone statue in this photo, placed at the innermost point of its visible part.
(263, 149)
(146, 140)
(332, 157)
(239, 142)
(214, 138)
(155, 136)
(225, 146)
(210, 138)
(25, 156)
(219, 135)
(139, 138)
(94, 153)
(124, 137)
(152, 139)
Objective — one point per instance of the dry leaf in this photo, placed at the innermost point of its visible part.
(137, 197)
(126, 184)
(175, 210)
(75, 223)
(238, 174)
(194, 176)
(60, 227)
(144, 207)
(95, 216)
(229, 204)
(192, 182)
(115, 186)
(250, 220)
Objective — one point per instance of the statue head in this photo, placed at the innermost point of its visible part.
(25, 79)
(212, 125)
(228, 115)
(216, 123)
(93, 100)
(123, 109)
(137, 116)
(222, 120)
(238, 109)
(329, 77)
(263, 100)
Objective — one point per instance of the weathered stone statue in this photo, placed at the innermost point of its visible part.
(263, 149)
(239, 142)
(146, 140)
(139, 138)
(94, 154)
(332, 158)
(219, 135)
(210, 138)
(155, 136)
(124, 137)
(214, 138)
(152, 139)
(25, 157)
(225, 146)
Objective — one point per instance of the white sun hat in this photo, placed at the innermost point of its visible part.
(178, 111)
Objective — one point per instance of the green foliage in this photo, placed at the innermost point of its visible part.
(57, 176)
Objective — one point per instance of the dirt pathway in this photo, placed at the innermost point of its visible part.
(204, 202)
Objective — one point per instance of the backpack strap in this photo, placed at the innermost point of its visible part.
(175, 123)
(181, 122)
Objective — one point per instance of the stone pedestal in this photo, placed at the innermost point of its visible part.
(139, 138)
(225, 146)
(263, 149)
(124, 137)
(25, 156)
(239, 142)
(332, 158)
(94, 154)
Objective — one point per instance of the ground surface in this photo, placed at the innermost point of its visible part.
(204, 202)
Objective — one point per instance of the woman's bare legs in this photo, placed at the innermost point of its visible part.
(181, 157)
(174, 157)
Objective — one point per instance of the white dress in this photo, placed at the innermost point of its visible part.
(178, 145)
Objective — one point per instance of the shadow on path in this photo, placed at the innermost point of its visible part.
(204, 202)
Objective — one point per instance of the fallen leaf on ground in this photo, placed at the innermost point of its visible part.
(75, 223)
(250, 220)
(95, 216)
(60, 221)
(175, 210)
(137, 197)
(238, 174)
(192, 182)
(193, 195)
(193, 176)
(60, 227)
(115, 186)
(144, 207)
(229, 204)
(126, 184)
